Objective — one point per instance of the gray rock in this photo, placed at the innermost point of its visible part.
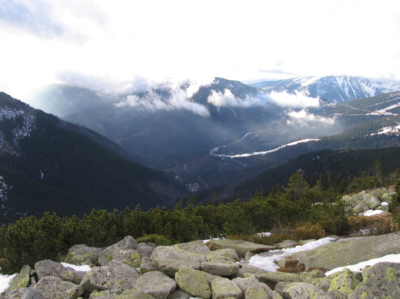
(286, 244)
(301, 290)
(24, 293)
(252, 288)
(50, 268)
(124, 250)
(223, 288)
(357, 250)
(344, 282)
(195, 246)
(361, 207)
(155, 284)
(241, 247)
(22, 280)
(54, 287)
(169, 259)
(119, 294)
(248, 269)
(317, 278)
(147, 265)
(193, 282)
(372, 202)
(221, 269)
(222, 255)
(379, 281)
(115, 275)
(178, 294)
(145, 249)
(272, 278)
(83, 255)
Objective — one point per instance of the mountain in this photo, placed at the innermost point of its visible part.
(47, 164)
(332, 89)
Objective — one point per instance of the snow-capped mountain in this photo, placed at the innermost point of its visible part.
(331, 88)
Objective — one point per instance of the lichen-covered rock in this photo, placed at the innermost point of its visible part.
(178, 294)
(221, 269)
(193, 282)
(169, 259)
(251, 287)
(379, 281)
(119, 294)
(222, 255)
(317, 278)
(241, 247)
(115, 275)
(83, 255)
(147, 265)
(22, 280)
(248, 269)
(272, 278)
(24, 293)
(195, 246)
(224, 288)
(54, 287)
(345, 282)
(301, 290)
(286, 244)
(155, 284)
(124, 250)
(357, 250)
(50, 268)
(145, 249)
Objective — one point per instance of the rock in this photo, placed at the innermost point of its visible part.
(155, 284)
(223, 288)
(252, 288)
(286, 244)
(178, 294)
(145, 249)
(193, 282)
(221, 269)
(22, 280)
(24, 293)
(115, 275)
(379, 281)
(272, 278)
(83, 255)
(345, 282)
(357, 250)
(248, 269)
(317, 278)
(169, 259)
(119, 294)
(147, 265)
(195, 246)
(49, 268)
(301, 290)
(124, 250)
(361, 207)
(222, 255)
(241, 247)
(54, 287)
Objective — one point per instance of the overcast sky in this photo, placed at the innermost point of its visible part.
(78, 41)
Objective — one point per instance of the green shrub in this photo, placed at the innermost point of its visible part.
(159, 240)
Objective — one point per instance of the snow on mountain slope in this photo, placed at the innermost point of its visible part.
(331, 88)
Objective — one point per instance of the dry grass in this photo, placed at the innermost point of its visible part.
(373, 225)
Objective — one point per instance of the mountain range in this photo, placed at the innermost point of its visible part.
(210, 136)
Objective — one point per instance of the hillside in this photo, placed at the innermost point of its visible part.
(50, 165)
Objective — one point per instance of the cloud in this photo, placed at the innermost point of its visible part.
(293, 100)
(178, 98)
(228, 99)
(303, 117)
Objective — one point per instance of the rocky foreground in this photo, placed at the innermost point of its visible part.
(219, 269)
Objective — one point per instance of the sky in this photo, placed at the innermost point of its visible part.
(96, 43)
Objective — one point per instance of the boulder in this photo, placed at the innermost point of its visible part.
(50, 268)
(221, 269)
(178, 294)
(54, 287)
(301, 290)
(252, 288)
(124, 250)
(241, 247)
(24, 293)
(286, 244)
(147, 265)
(224, 288)
(193, 282)
(344, 282)
(272, 278)
(115, 275)
(83, 255)
(119, 294)
(195, 246)
(169, 259)
(155, 284)
(22, 280)
(317, 278)
(379, 281)
(357, 250)
(145, 249)
(222, 255)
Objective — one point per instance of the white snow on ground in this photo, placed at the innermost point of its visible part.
(372, 212)
(83, 268)
(268, 262)
(5, 281)
(393, 258)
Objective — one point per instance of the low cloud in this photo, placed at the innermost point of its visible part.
(179, 98)
(303, 117)
(228, 99)
(298, 100)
